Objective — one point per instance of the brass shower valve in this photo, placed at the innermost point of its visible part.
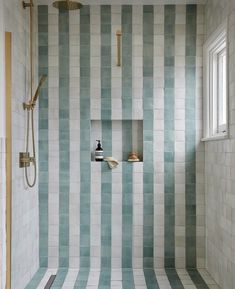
(25, 160)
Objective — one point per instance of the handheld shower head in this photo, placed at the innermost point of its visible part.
(42, 80)
(30, 105)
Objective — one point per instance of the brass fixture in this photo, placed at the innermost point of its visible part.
(24, 157)
(119, 34)
(26, 5)
(25, 160)
(31, 104)
(67, 5)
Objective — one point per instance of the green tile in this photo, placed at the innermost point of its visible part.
(190, 135)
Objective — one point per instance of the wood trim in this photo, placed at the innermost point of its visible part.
(8, 85)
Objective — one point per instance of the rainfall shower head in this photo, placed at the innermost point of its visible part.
(67, 5)
(42, 80)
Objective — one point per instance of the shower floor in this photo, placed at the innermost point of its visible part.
(123, 279)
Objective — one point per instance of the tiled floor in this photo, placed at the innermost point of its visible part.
(123, 279)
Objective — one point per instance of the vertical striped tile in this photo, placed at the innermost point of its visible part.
(95, 62)
(93, 279)
(60, 278)
(117, 214)
(97, 134)
(105, 278)
(190, 131)
(64, 139)
(116, 70)
(180, 19)
(53, 116)
(169, 135)
(159, 136)
(185, 278)
(96, 215)
(37, 278)
(85, 164)
(137, 62)
(45, 278)
(137, 113)
(197, 279)
(139, 279)
(127, 189)
(137, 246)
(128, 279)
(74, 239)
(106, 175)
(82, 279)
(70, 279)
(43, 136)
(162, 279)
(174, 279)
(148, 187)
(150, 278)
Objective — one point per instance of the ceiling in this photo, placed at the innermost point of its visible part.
(140, 2)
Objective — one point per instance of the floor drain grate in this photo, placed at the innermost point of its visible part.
(50, 282)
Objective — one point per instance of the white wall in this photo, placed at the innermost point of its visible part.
(25, 201)
(2, 156)
(220, 168)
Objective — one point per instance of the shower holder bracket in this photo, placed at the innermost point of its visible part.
(26, 5)
(25, 160)
(29, 106)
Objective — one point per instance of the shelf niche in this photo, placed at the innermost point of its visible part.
(127, 136)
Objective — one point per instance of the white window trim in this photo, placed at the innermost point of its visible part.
(216, 39)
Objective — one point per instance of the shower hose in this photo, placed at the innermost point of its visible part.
(33, 159)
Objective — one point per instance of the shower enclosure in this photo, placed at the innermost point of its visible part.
(140, 225)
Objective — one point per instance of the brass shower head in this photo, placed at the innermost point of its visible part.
(67, 5)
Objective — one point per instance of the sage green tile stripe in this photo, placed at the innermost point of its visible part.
(82, 278)
(190, 135)
(148, 174)
(105, 279)
(106, 62)
(64, 138)
(127, 170)
(128, 279)
(197, 279)
(106, 174)
(37, 278)
(60, 278)
(85, 155)
(174, 279)
(169, 144)
(43, 145)
(150, 279)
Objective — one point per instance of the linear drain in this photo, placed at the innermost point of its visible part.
(50, 282)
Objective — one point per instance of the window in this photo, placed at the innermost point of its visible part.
(215, 85)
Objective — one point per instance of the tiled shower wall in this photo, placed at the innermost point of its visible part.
(220, 167)
(24, 201)
(146, 214)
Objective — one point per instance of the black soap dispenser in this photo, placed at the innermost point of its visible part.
(99, 156)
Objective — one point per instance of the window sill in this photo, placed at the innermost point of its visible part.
(216, 137)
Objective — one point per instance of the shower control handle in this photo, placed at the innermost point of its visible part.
(25, 160)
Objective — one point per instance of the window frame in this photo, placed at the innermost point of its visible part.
(216, 44)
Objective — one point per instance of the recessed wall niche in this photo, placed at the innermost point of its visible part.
(127, 136)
